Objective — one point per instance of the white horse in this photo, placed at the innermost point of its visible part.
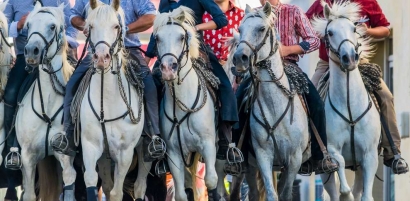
(188, 112)
(5, 64)
(107, 109)
(278, 140)
(348, 101)
(39, 114)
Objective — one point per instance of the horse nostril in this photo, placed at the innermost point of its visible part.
(95, 56)
(345, 59)
(36, 51)
(174, 66)
(356, 57)
(107, 56)
(245, 58)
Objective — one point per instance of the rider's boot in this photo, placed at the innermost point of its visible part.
(397, 164)
(154, 148)
(325, 165)
(227, 150)
(63, 143)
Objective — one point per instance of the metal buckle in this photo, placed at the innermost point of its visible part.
(14, 152)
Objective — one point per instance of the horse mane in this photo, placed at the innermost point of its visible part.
(351, 11)
(106, 13)
(188, 24)
(67, 69)
(5, 55)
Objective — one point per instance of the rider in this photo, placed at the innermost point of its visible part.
(16, 12)
(377, 27)
(228, 111)
(139, 16)
(290, 29)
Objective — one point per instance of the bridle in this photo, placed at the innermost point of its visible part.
(337, 51)
(116, 44)
(184, 52)
(255, 49)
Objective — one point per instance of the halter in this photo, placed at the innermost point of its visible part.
(256, 49)
(57, 37)
(184, 51)
(117, 42)
(337, 51)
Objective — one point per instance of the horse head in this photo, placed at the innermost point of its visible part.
(106, 27)
(257, 39)
(176, 41)
(341, 30)
(46, 37)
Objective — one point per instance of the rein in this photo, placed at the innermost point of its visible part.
(352, 122)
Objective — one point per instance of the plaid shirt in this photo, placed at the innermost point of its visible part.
(292, 25)
(370, 9)
(215, 38)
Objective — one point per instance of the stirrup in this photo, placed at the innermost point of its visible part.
(57, 146)
(306, 168)
(157, 147)
(161, 168)
(234, 151)
(398, 160)
(234, 169)
(328, 169)
(11, 163)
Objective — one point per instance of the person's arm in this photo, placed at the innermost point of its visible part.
(77, 15)
(218, 17)
(9, 13)
(71, 32)
(378, 32)
(379, 25)
(145, 11)
(310, 42)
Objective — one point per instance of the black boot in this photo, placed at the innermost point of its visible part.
(227, 151)
(398, 165)
(63, 143)
(154, 148)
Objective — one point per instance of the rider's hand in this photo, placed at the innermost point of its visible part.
(20, 23)
(85, 32)
(284, 51)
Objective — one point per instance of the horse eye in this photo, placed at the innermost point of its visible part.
(52, 27)
(182, 38)
(117, 26)
(354, 30)
(262, 29)
(330, 33)
(28, 25)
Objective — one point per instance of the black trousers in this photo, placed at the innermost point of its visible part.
(316, 110)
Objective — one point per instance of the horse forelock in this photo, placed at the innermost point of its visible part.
(269, 20)
(162, 20)
(351, 11)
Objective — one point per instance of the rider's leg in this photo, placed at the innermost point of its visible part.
(64, 142)
(16, 77)
(321, 68)
(317, 114)
(228, 110)
(153, 147)
(386, 103)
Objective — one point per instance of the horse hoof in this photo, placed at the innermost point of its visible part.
(347, 197)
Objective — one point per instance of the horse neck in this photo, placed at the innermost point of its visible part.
(338, 87)
(186, 90)
(278, 70)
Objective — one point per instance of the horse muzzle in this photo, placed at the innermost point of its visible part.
(241, 60)
(102, 60)
(32, 53)
(169, 71)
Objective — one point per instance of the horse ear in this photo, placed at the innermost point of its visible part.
(181, 17)
(326, 11)
(248, 9)
(37, 5)
(61, 7)
(116, 4)
(267, 9)
(3, 5)
(93, 4)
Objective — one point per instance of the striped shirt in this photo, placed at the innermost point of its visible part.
(15, 9)
(292, 25)
(133, 9)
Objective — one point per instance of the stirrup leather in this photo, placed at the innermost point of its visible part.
(157, 147)
(13, 159)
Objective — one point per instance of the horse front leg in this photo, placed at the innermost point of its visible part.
(211, 177)
(69, 175)
(104, 171)
(345, 191)
(91, 153)
(178, 174)
(251, 178)
(124, 160)
(329, 183)
(369, 164)
(29, 162)
(140, 185)
(265, 162)
(358, 184)
(289, 176)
